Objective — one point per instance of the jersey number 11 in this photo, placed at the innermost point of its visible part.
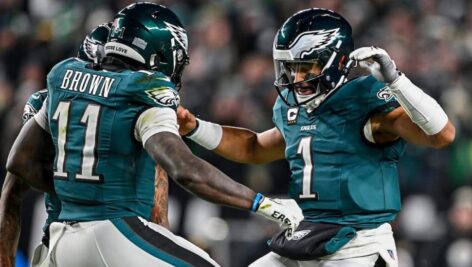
(90, 120)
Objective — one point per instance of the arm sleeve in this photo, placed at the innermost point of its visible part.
(153, 121)
(42, 117)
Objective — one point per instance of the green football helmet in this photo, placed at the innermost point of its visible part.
(311, 39)
(92, 48)
(152, 36)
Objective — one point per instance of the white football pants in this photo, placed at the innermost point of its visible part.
(122, 242)
(39, 255)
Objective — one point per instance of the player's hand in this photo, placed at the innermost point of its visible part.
(378, 62)
(285, 212)
(186, 120)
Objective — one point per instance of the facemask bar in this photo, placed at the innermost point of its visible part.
(314, 81)
(285, 80)
(181, 60)
(287, 72)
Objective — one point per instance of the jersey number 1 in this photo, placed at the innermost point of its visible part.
(304, 149)
(90, 120)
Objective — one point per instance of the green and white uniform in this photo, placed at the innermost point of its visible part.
(99, 121)
(92, 117)
(337, 175)
(52, 203)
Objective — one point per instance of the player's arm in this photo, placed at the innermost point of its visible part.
(12, 195)
(196, 175)
(419, 119)
(157, 129)
(233, 143)
(30, 157)
(161, 195)
(388, 127)
(11, 199)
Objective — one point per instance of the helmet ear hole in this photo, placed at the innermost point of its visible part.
(157, 61)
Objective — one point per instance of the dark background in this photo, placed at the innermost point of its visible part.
(229, 81)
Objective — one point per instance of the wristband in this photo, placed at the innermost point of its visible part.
(256, 202)
(206, 134)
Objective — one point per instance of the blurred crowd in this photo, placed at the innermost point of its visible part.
(230, 81)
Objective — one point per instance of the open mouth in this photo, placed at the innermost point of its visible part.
(308, 90)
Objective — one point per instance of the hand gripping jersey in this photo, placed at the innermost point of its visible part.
(52, 203)
(101, 170)
(337, 175)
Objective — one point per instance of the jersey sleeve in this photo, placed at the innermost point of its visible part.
(42, 116)
(378, 99)
(378, 96)
(155, 120)
(153, 89)
(33, 105)
(277, 118)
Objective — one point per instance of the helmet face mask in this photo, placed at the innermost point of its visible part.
(301, 78)
(311, 37)
(152, 36)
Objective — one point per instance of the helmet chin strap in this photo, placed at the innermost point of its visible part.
(311, 104)
(318, 97)
(316, 101)
(311, 101)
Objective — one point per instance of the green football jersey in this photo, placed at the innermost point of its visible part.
(100, 170)
(337, 176)
(52, 203)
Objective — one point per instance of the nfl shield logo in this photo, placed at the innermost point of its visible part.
(390, 252)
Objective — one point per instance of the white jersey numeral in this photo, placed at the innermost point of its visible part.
(304, 148)
(90, 119)
(61, 116)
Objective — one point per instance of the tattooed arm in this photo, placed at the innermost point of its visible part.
(161, 194)
(10, 207)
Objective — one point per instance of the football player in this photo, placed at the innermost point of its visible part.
(342, 139)
(92, 50)
(102, 118)
(14, 189)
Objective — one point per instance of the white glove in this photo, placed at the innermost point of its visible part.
(378, 62)
(285, 212)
